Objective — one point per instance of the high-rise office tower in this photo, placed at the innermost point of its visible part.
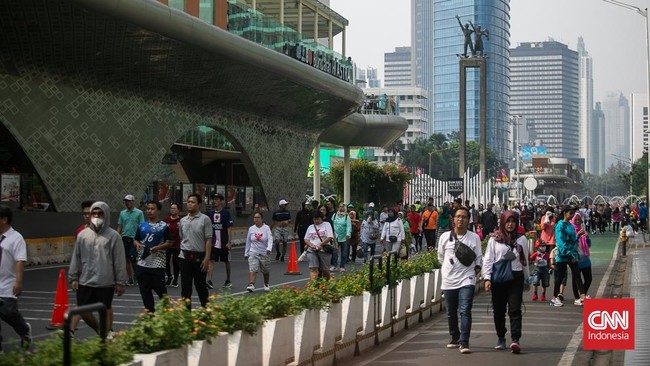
(435, 52)
(544, 90)
(367, 78)
(397, 67)
(598, 137)
(639, 125)
(586, 90)
(617, 125)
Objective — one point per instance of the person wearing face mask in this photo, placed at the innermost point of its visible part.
(342, 231)
(98, 264)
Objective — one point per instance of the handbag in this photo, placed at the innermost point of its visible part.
(391, 238)
(327, 248)
(502, 271)
(465, 255)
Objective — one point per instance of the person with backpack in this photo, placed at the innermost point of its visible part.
(428, 225)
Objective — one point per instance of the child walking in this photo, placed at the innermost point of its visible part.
(541, 276)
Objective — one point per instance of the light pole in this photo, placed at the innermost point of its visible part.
(515, 124)
(643, 13)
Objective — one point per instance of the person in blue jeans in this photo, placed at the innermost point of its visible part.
(458, 280)
(342, 231)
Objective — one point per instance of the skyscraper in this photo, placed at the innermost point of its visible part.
(597, 150)
(617, 124)
(544, 90)
(397, 67)
(586, 90)
(639, 125)
(435, 64)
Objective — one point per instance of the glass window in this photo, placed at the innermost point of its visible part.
(177, 4)
(206, 11)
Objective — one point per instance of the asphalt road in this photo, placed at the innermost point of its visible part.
(37, 301)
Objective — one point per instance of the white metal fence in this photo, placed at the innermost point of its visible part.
(422, 186)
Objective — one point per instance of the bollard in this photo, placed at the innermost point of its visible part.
(377, 307)
(100, 308)
(624, 242)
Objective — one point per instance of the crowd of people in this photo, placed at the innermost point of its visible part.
(153, 253)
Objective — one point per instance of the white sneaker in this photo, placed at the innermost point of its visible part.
(110, 334)
(267, 287)
(556, 302)
(578, 302)
(250, 287)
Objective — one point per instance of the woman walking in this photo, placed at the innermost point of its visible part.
(171, 254)
(369, 235)
(566, 255)
(319, 235)
(393, 232)
(584, 263)
(509, 246)
(259, 245)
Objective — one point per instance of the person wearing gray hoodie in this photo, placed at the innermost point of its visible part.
(98, 265)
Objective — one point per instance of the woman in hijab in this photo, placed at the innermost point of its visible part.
(392, 233)
(507, 245)
(584, 263)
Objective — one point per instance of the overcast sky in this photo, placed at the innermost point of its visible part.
(614, 36)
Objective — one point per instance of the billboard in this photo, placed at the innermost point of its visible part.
(527, 152)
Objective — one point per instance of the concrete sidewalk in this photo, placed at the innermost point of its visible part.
(551, 336)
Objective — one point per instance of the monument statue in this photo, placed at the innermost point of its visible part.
(478, 39)
(467, 32)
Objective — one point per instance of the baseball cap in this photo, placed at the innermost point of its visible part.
(217, 195)
(371, 204)
(283, 202)
(129, 197)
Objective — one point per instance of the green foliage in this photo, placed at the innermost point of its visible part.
(441, 152)
(205, 320)
(279, 303)
(388, 180)
(49, 352)
(239, 313)
(168, 328)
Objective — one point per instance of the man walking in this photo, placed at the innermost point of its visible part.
(127, 225)
(281, 220)
(221, 224)
(98, 264)
(13, 255)
(151, 240)
(458, 280)
(196, 246)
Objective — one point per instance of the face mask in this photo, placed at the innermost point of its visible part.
(97, 222)
(542, 249)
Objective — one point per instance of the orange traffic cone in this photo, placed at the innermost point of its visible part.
(292, 266)
(60, 302)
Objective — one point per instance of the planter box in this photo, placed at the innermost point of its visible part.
(278, 341)
(366, 337)
(437, 283)
(307, 335)
(403, 297)
(213, 352)
(352, 323)
(386, 316)
(417, 298)
(330, 333)
(170, 357)
(244, 349)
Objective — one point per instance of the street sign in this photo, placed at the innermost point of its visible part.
(455, 186)
(530, 183)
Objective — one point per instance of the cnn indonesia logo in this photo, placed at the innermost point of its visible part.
(608, 324)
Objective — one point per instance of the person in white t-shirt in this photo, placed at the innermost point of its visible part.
(319, 235)
(13, 255)
(458, 280)
(259, 245)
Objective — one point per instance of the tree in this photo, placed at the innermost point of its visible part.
(369, 182)
(397, 147)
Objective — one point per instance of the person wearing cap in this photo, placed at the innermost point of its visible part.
(221, 226)
(127, 226)
(281, 220)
